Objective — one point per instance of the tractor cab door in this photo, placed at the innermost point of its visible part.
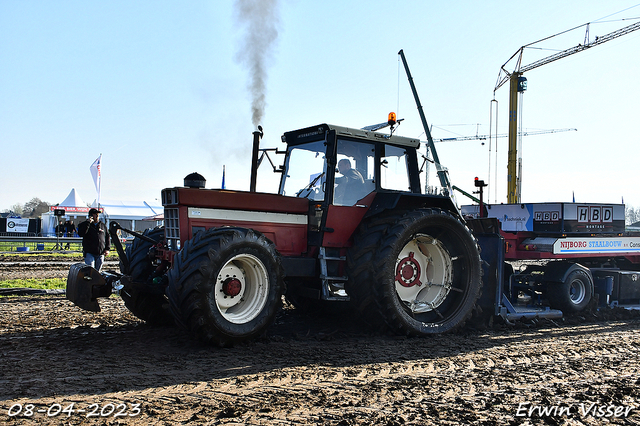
(308, 173)
(353, 190)
(363, 169)
(335, 174)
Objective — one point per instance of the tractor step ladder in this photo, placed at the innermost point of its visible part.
(332, 286)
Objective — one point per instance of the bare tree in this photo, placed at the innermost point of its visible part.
(16, 208)
(632, 215)
(35, 207)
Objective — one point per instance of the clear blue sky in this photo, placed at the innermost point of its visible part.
(157, 88)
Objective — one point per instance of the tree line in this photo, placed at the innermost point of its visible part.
(31, 209)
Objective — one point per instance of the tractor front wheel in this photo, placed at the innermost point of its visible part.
(226, 285)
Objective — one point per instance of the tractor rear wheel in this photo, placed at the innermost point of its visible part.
(150, 306)
(226, 285)
(417, 273)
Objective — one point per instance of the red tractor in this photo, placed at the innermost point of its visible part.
(349, 224)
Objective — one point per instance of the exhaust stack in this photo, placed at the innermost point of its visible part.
(257, 135)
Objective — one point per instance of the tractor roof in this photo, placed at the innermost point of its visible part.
(316, 132)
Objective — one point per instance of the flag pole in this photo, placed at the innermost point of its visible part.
(99, 180)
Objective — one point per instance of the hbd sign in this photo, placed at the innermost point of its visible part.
(550, 216)
(594, 218)
(595, 214)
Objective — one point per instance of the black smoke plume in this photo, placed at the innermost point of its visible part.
(260, 20)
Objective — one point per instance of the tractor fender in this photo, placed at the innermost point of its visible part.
(559, 271)
(385, 201)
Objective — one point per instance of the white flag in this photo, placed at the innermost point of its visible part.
(97, 174)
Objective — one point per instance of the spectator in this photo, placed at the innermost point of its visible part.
(69, 229)
(60, 230)
(95, 240)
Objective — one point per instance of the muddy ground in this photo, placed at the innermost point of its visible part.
(62, 365)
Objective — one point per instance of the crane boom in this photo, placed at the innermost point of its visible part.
(580, 48)
(442, 173)
(502, 79)
(502, 135)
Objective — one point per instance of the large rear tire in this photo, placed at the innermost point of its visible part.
(226, 285)
(151, 305)
(417, 273)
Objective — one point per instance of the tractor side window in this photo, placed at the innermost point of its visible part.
(394, 173)
(305, 171)
(355, 172)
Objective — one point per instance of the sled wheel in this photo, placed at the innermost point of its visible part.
(226, 285)
(150, 306)
(423, 273)
(573, 295)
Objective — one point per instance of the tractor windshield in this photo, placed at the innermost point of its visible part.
(355, 173)
(306, 171)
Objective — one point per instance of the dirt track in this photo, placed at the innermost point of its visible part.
(306, 370)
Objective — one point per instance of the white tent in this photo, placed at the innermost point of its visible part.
(74, 209)
(73, 200)
(134, 215)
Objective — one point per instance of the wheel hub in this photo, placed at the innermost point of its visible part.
(423, 274)
(242, 288)
(577, 291)
(408, 271)
(231, 287)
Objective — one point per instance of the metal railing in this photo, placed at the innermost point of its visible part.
(41, 243)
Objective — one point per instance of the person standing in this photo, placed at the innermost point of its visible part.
(95, 240)
(69, 230)
(60, 230)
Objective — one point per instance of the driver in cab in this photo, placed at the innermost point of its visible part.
(349, 186)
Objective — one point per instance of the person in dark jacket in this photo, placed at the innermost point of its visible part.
(69, 230)
(60, 230)
(350, 185)
(95, 240)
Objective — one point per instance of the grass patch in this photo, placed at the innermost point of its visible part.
(11, 246)
(26, 257)
(48, 283)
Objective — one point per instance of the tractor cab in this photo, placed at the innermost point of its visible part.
(341, 166)
(349, 174)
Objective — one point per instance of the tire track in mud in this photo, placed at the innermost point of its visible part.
(404, 382)
(370, 391)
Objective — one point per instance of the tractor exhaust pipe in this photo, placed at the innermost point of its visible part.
(257, 135)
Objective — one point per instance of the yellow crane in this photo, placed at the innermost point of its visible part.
(518, 84)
